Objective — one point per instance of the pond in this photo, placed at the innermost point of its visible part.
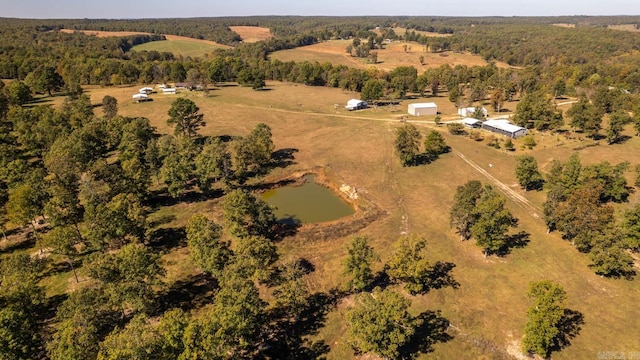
(308, 203)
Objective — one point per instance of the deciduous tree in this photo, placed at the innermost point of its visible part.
(358, 263)
(493, 220)
(547, 309)
(246, 215)
(184, 115)
(434, 144)
(380, 323)
(527, 173)
(463, 215)
(407, 143)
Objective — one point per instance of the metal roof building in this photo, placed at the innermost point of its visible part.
(504, 127)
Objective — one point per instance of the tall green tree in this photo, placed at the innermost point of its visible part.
(231, 328)
(493, 221)
(535, 110)
(22, 207)
(434, 144)
(109, 107)
(609, 256)
(128, 277)
(617, 121)
(585, 117)
(631, 227)
(358, 263)
(373, 89)
(213, 163)
(254, 257)
(63, 240)
(409, 264)
(18, 93)
(407, 143)
(206, 249)
(463, 215)
(380, 323)
(246, 215)
(543, 317)
(45, 79)
(184, 115)
(178, 166)
(527, 173)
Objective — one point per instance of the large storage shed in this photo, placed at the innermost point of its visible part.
(420, 109)
(504, 127)
(470, 111)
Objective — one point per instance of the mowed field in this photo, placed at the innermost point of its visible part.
(392, 56)
(178, 45)
(252, 33)
(400, 31)
(488, 311)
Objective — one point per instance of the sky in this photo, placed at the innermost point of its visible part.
(121, 9)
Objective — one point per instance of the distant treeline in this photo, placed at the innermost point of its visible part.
(587, 55)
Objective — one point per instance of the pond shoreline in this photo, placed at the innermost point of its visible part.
(365, 211)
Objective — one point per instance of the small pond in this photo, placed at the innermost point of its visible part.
(307, 203)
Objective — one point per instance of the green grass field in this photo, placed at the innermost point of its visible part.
(179, 48)
(488, 311)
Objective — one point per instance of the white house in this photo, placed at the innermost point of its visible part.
(419, 109)
(167, 91)
(356, 104)
(146, 90)
(140, 97)
(469, 111)
(504, 127)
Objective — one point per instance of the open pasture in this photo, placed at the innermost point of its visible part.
(488, 311)
(392, 56)
(252, 33)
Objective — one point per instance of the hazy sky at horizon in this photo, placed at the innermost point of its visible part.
(202, 8)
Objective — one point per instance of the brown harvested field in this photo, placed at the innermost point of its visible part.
(488, 311)
(252, 33)
(401, 31)
(392, 56)
(565, 25)
(129, 33)
(625, 27)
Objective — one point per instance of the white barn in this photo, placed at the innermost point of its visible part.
(469, 111)
(504, 127)
(356, 104)
(419, 109)
(167, 91)
(140, 97)
(146, 90)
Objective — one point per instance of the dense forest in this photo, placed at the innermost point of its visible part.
(81, 183)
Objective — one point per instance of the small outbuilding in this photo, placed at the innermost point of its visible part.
(146, 90)
(140, 97)
(504, 127)
(168, 91)
(472, 123)
(420, 109)
(470, 111)
(356, 104)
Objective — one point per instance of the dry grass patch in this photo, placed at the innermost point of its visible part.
(252, 33)
(488, 311)
(565, 25)
(129, 33)
(389, 58)
(624, 27)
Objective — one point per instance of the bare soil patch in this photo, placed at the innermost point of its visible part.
(565, 25)
(252, 33)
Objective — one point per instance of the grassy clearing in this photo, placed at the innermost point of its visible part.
(179, 48)
(252, 33)
(392, 56)
(400, 31)
(489, 309)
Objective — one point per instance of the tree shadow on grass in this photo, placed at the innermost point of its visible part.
(288, 334)
(165, 239)
(162, 198)
(440, 276)
(187, 295)
(569, 325)
(283, 157)
(515, 241)
(432, 330)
